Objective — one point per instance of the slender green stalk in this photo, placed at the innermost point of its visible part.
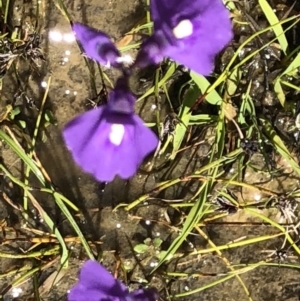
(226, 261)
(236, 244)
(226, 72)
(41, 211)
(202, 288)
(36, 287)
(34, 138)
(194, 216)
(7, 4)
(148, 16)
(276, 225)
(44, 252)
(50, 223)
(164, 185)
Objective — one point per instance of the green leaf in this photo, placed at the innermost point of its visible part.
(16, 111)
(184, 117)
(192, 219)
(50, 117)
(203, 119)
(163, 254)
(279, 91)
(273, 20)
(166, 77)
(141, 248)
(279, 145)
(22, 124)
(157, 242)
(213, 97)
(148, 241)
(59, 199)
(246, 106)
(292, 68)
(233, 81)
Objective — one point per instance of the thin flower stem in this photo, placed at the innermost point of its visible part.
(49, 222)
(237, 244)
(32, 146)
(44, 252)
(225, 260)
(212, 284)
(7, 4)
(231, 156)
(281, 228)
(148, 16)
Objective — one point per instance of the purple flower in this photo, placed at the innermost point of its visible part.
(97, 284)
(110, 140)
(97, 45)
(189, 32)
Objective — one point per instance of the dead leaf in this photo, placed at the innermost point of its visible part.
(125, 41)
(229, 110)
(53, 279)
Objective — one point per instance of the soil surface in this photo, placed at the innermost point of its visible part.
(119, 231)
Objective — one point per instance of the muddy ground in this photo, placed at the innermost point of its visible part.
(120, 231)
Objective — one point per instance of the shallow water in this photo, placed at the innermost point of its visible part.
(120, 231)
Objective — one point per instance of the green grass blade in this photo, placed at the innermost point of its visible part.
(279, 91)
(166, 77)
(213, 96)
(33, 142)
(192, 219)
(279, 145)
(44, 215)
(292, 68)
(274, 22)
(22, 155)
(73, 223)
(184, 117)
(229, 67)
(26, 159)
(254, 212)
(204, 287)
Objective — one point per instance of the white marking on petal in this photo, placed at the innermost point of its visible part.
(183, 29)
(116, 133)
(107, 65)
(125, 58)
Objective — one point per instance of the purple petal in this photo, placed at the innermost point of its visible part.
(89, 139)
(80, 293)
(152, 50)
(190, 32)
(144, 295)
(95, 284)
(121, 99)
(97, 45)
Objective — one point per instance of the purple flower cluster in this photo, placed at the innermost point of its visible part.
(97, 284)
(189, 32)
(112, 140)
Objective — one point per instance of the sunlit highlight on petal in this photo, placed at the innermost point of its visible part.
(183, 29)
(116, 133)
